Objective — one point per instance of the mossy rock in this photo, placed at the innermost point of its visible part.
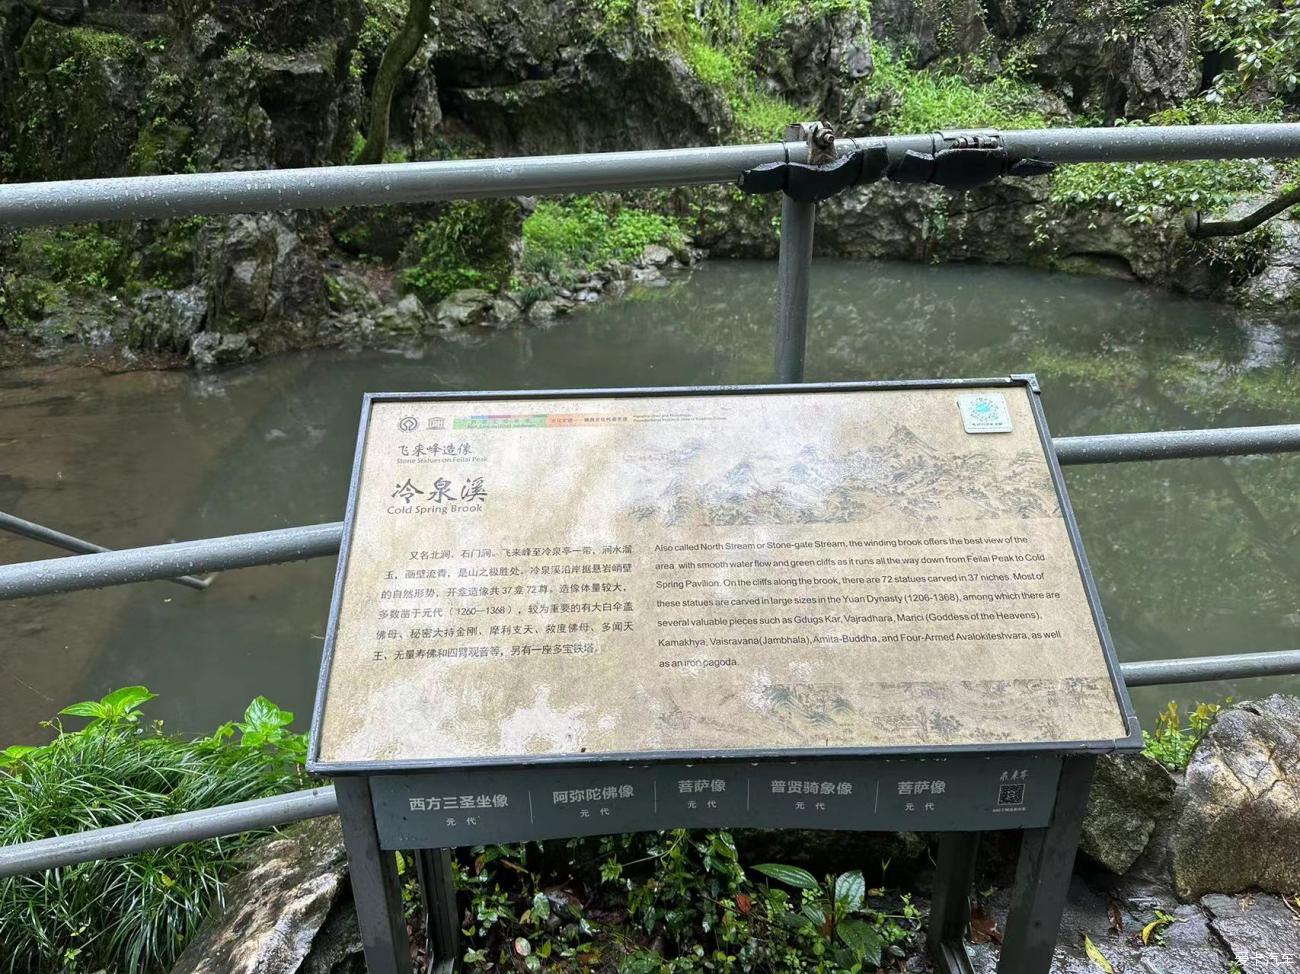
(74, 114)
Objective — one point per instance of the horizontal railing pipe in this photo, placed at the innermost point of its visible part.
(265, 813)
(169, 830)
(56, 575)
(1177, 444)
(1198, 669)
(187, 194)
(39, 532)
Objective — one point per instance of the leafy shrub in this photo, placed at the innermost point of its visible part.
(1139, 189)
(1170, 743)
(1263, 37)
(470, 245)
(84, 255)
(675, 902)
(578, 235)
(133, 913)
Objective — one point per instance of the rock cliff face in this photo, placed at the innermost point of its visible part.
(94, 88)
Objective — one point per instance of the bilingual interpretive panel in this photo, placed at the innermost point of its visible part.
(839, 570)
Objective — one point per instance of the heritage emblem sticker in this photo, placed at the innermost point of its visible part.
(984, 412)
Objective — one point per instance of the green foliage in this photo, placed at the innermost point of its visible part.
(928, 100)
(133, 913)
(382, 19)
(674, 902)
(578, 235)
(723, 43)
(1263, 37)
(853, 936)
(1172, 744)
(79, 255)
(469, 245)
(1139, 189)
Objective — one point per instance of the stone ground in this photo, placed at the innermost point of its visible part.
(1250, 933)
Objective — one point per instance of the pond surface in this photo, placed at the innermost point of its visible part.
(1192, 557)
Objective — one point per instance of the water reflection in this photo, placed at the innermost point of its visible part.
(1192, 557)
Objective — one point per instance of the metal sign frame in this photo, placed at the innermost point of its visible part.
(1050, 834)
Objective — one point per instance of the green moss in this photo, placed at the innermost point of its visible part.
(470, 245)
(74, 103)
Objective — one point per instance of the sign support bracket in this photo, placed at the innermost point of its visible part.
(375, 889)
(1043, 875)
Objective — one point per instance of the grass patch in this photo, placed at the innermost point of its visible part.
(929, 100)
(577, 235)
(1171, 743)
(134, 913)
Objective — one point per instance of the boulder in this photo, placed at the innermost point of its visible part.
(275, 908)
(1164, 63)
(262, 277)
(815, 59)
(1238, 818)
(460, 309)
(211, 350)
(544, 77)
(930, 31)
(656, 255)
(166, 321)
(1131, 795)
(404, 317)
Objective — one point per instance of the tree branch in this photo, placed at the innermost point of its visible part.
(1198, 229)
(397, 55)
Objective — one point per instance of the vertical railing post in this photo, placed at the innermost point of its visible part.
(794, 264)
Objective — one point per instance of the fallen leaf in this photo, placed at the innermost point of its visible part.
(1096, 956)
(1116, 918)
(1148, 930)
(983, 927)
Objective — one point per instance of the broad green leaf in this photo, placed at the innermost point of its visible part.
(14, 754)
(814, 913)
(790, 875)
(87, 708)
(1096, 956)
(861, 938)
(126, 699)
(850, 888)
(541, 906)
(262, 715)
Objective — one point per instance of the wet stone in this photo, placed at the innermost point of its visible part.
(1261, 932)
(275, 908)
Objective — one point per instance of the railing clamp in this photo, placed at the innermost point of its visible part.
(965, 161)
(823, 176)
(959, 161)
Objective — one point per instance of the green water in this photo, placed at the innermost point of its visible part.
(1192, 557)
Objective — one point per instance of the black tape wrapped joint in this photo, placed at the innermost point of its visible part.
(967, 162)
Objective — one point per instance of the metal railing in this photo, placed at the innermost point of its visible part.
(152, 197)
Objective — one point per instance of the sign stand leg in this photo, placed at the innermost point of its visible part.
(1043, 876)
(794, 265)
(950, 908)
(375, 889)
(438, 890)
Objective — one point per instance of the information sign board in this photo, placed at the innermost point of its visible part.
(748, 573)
